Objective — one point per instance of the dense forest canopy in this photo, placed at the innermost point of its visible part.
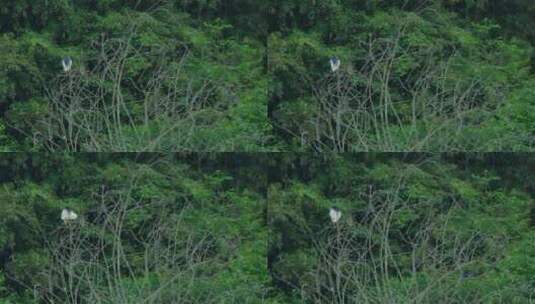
(151, 229)
(146, 76)
(414, 228)
(422, 75)
(243, 75)
(255, 228)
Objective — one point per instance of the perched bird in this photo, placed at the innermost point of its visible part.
(335, 63)
(68, 215)
(66, 62)
(335, 214)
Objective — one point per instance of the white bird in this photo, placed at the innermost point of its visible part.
(68, 215)
(335, 214)
(66, 63)
(335, 63)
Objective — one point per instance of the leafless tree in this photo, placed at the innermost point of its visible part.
(364, 262)
(98, 106)
(370, 107)
(95, 262)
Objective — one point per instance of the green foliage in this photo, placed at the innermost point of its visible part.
(192, 228)
(188, 58)
(404, 66)
(450, 228)
(203, 222)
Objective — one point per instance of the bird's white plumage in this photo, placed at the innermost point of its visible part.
(68, 215)
(67, 64)
(335, 215)
(335, 64)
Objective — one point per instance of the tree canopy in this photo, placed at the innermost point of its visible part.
(255, 228)
(206, 94)
(151, 228)
(196, 75)
(146, 76)
(415, 228)
(429, 75)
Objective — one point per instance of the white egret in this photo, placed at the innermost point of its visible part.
(335, 63)
(335, 214)
(66, 62)
(68, 215)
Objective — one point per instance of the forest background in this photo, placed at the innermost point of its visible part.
(244, 75)
(196, 75)
(430, 75)
(254, 228)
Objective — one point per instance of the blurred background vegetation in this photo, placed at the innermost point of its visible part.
(415, 228)
(184, 228)
(243, 75)
(416, 75)
(254, 228)
(147, 75)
